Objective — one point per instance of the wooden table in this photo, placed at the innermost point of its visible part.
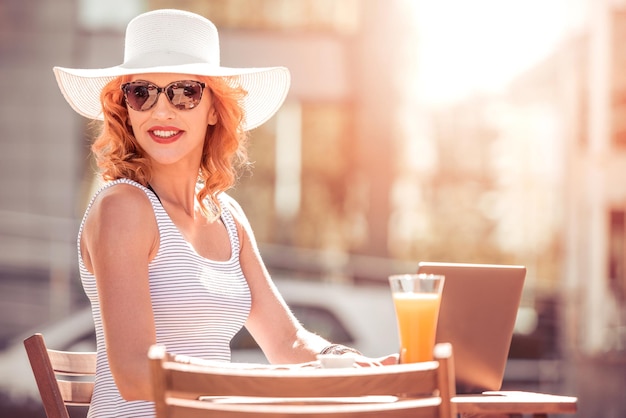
(514, 404)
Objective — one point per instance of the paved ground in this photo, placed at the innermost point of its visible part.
(599, 384)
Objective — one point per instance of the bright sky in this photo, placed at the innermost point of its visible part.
(481, 44)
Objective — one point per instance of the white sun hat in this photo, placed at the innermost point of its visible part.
(176, 41)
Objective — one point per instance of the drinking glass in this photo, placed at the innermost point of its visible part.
(417, 298)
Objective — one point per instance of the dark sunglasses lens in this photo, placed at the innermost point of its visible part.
(140, 96)
(184, 94)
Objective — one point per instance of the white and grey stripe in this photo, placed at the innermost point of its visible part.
(198, 304)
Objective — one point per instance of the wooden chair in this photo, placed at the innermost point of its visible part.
(57, 374)
(406, 390)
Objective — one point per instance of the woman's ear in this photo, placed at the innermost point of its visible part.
(212, 116)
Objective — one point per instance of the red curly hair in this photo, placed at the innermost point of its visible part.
(118, 154)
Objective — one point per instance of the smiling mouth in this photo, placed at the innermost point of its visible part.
(164, 134)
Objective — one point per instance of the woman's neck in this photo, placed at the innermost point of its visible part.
(178, 191)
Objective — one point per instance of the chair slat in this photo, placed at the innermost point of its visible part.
(48, 365)
(316, 383)
(76, 364)
(410, 408)
(76, 393)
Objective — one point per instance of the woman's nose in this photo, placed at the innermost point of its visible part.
(163, 108)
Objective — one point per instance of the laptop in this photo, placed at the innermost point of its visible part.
(478, 310)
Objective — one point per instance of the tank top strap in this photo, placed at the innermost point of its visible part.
(231, 225)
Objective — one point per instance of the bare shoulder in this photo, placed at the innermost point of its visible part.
(122, 205)
(123, 197)
(120, 223)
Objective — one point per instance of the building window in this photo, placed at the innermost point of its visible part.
(618, 78)
(617, 253)
(340, 16)
(98, 15)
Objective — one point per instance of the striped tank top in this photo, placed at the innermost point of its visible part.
(198, 304)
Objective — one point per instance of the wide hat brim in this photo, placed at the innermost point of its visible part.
(266, 88)
(176, 41)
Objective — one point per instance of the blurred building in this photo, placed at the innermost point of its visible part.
(580, 90)
(595, 252)
(566, 124)
(42, 161)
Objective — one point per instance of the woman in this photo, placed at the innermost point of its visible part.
(165, 255)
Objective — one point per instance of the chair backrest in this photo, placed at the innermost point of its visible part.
(404, 390)
(60, 376)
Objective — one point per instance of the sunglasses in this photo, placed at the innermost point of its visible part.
(143, 95)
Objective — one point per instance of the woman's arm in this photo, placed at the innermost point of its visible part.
(119, 239)
(282, 338)
(277, 331)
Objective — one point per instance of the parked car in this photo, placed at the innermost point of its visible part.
(362, 317)
(359, 316)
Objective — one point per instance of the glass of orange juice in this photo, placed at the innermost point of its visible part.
(417, 298)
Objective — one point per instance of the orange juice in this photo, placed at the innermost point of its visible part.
(417, 315)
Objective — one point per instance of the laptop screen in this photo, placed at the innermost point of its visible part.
(477, 315)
